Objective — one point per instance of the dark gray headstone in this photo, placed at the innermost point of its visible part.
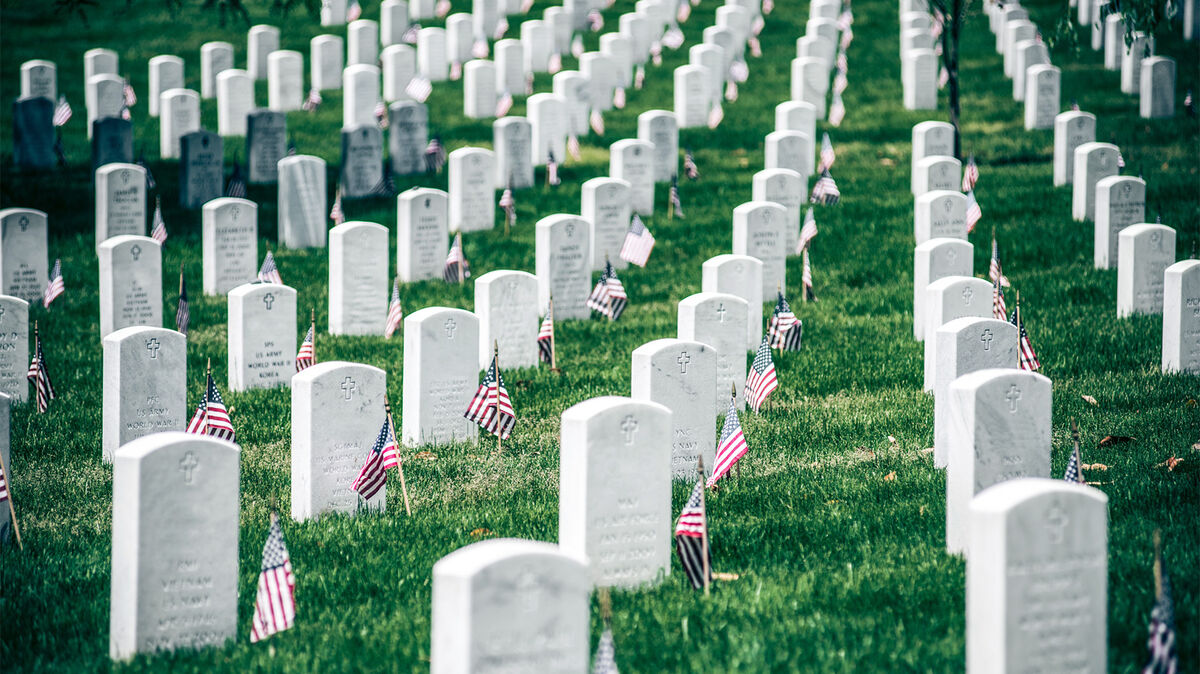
(112, 142)
(409, 122)
(33, 133)
(201, 168)
(362, 160)
(266, 144)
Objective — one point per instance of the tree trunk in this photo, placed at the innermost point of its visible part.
(951, 57)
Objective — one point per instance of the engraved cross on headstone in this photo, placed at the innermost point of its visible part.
(187, 466)
(683, 361)
(986, 338)
(629, 426)
(1056, 524)
(23, 223)
(153, 346)
(268, 300)
(349, 387)
(451, 326)
(721, 311)
(136, 252)
(967, 295)
(1013, 395)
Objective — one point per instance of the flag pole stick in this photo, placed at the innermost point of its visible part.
(37, 348)
(496, 362)
(733, 391)
(553, 349)
(704, 532)
(1158, 565)
(387, 407)
(312, 324)
(670, 205)
(11, 509)
(1018, 314)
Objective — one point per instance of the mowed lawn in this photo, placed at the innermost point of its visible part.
(835, 530)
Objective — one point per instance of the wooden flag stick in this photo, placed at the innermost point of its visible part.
(704, 532)
(181, 278)
(496, 362)
(1018, 314)
(312, 323)
(553, 347)
(11, 509)
(733, 390)
(1158, 570)
(606, 607)
(387, 407)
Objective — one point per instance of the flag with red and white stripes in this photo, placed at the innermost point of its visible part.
(491, 407)
(312, 101)
(715, 115)
(825, 190)
(275, 606)
(456, 269)
(689, 165)
(596, 121)
(545, 339)
(999, 308)
(159, 231)
(808, 231)
(336, 213)
(608, 297)
(970, 175)
(354, 11)
(504, 103)
(806, 280)
(827, 154)
(1027, 360)
(732, 445)
(395, 312)
(785, 329)
(509, 205)
(419, 88)
(638, 243)
(268, 272)
(691, 532)
(552, 178)
(62, 111)
(3, 486)
(837, 109)
(211, 417)
(573, 149)
(974, 213)
(306, 355)
(762, 381)
(994, 271)
(384, 454)
(39, 376)
(55, 286)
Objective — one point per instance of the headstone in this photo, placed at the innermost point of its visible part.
(337, 409)
(229, 241)
(941, 214)
(619, 50)
(421, 9)
(1157, 88)
(362, 161)
(606, 205)
(362, 42)
(145, 385)
(1114, 40)
(215, 58)
(112, 141)
(510, 67)
(1093, 162)
(788, 189)
(130, 283)
(920, 72)
(737, 19)
(574, 87)
(333, 12)
(999, 430)
(104, 97)
(408, 134)
(810, 82)
(262, 336)
(484, 17)
(1144, 253)
(5, 447)
(39, 78)
(966, 345)
(936, 259)
(460, 38)
(946, 299)
(1016, 32)
(1043, 89)
(99, 61)
(1026, 53)
(930, 139)
(512, 140)
(431, 54)
(798, 116)
(393, 22)
(358, 278)
(711, 57)
(201, 168)
(635, 28)
(1071, 129)
(692, 96)
(303, 204)
(361, 84)
(120, 201)
(261, 40)
(472, 192)
(14, 359)
(285, 80)
(510, 603)
(166, 72)
(399, 66)
(1120, 202)
(790, 150)
(937, 173)
(739, 275)
(266, 144)
(538, 43)
(33, 133)
(678, 375)
(441, 373)
(174, 544)
(179, 115)
(725, 39)
(479, 89)
(1181, 317)
(614, 504)
(563, 264)
(326, 62)
(422, 233)
(506, 304)
(547, 115)
(659, 128)
(560, 26)
(24, 261)
(1139, 48)
(758, 231)
(719, 320)
(632, 160)
(1038, 556)
(235, 100)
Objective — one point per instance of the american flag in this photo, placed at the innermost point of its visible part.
(395, 312)
(807, 280)
(684, 12)
(638, 243)
(656, 53)
(837, 109)
(3, 486)
(554, 65)
(312, 101)
(827, 154)
(768, 6)
(268, 272)
(275, 606)
(552, 178)
(732, 445)
(1074, 105)
(1161, 643)
(545, 339)
(974, 213)
(608, 297)
(970, 175)
(435, 155)
(354, 11)
(62, 111)
(159, 231)
(381, 115)
(491, 407)
(691, 534)
(1120, 159)
(1188, 104)
(595, 20)
(504, 103)
(501, 28)
(845, 19)
(128, 97)
(596, 121)
(236, 187)
(673, 197)
(456, 269)
(1074, 471)
(938, 23)
(509, 205)
(715, 115)
(755, 46)
(999, 308)
(689, 165)
(731, 91)
(673, 38)
(761, 382)
(840, 81)
(183, 314)
(39, 376)
(141, 161)
(639, 77)
(994, 272)
(605, 662)
(825, 191)
(808, 232)
(419, 88)
(55, 286)
(573, 149)
(336, 213)
(384, 454)
(291, 147)
(456, 71)
(943, 77)
(211, 417)
(577, 46)
(442, 9)
(410, 35)
(1028, 359)
(785, 329)
(619, 98)
(306, 356)
(479, 49)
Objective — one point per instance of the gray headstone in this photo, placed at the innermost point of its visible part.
(33, 133)
(632, 160)
(14, 353)
(229, 241)
(166, 72)
(441, 373)
(659, 128)
(422, 234)
(564, 265)
(5, 447)
(408, 134)
(1071, 129)
(512, 141)
(302, 202)
(201, 168)
(1181, 317)
(145, 385)
(179, 115)
(266, 144)
(112, 142)
(120, 200)
(262, 336)
(326, 62)
(285, 80)
(358, 278)
(24, 261)
(1093, 162)
(362, 160)
(130, 283)
(1157, 88)
(39, 78)
(472, 189)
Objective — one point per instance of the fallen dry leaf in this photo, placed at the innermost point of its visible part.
(1191, 402)
(1090, 400)
(927, 450)
(1114, 439)
(887, 161)
(890, 476)
(1094, 466)
(425, 456)
(832, 502)
(725, 576)
(1170, 463)
(480, 532)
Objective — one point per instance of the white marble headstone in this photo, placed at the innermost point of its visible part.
(1120, 202)
(937, 173)
(302, 202)
(932, 260)
(788, 189)
(1144, 253)
(1181, 317)
(120, 201)
(235, 100)
(441, 373)
(946, 299)
(758, 231)
(563, 264)
(14, 350)
(422, 233)
(512, 140)
(399, 65)
(262, 336)
(229, 243)
(790, 150)
(719, 320)
(941, 214)
(358, 278)
(506, 304)
(285, 80)
(966, 345)
(24, 260)
(739, 275)
(692, 96)
(166, 72)
(607, 207)
(679, 374)
(215, 58)
(632, 160)
(472, 192)
(261, 40)
(145, 385)
(1071, 129)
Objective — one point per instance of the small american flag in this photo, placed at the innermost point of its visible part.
(715, 115)
(236, 187)
(732, 445)
(606, 652)
(807, 280)
(845, 19)
(456, 269)
(994, 271)
(39, 376)
(501, 28)
(491, 407)
(381, 115)
(974, 213)
(141, 161)
(386, 187)
(395, 312)
(554, 66)
(435, 155)
(691, 534)
(545, 339)
(761, 382)
(354, 11)
(509, 205)
(808, 232)
(837, 109)
(828, 156)
(1161, 643)
(755, 46)
(595, 20)
(442, 9)
(674, 200)
(847, 38)
(291, 147)
(638, 243)
(596, 120)
(825, 191)
(999, 308)
(674, 38)
(55, 286)
(384, 454)
(410, 35)
(268, 272)
(306, 356)
(577, 46)
(336, 213)
(1028, 359)
(970, 175)
(1188, 104)
(1074, 105)
(60, 152)
(456, 71)
(419, 88)
(128, 96)
(183, 314)
(608, 297)
(684, 12)
(1120, 159)
(689, 165)
(943, 77)
(840, 79)
(504, 103)
(3, 486)
(785, 329)
(574, 151)
(639, 77)
(211, 417)
(656, 53)
(1074, 472)
(552, 178)
(159, 231)
(479, 49)
(62, 111)
(731, 91)
(739, 71)
(619, 98)
(757, 26)
(768, 6)
(312, 101)
(275, 605)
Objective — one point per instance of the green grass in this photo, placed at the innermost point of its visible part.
(841, 569)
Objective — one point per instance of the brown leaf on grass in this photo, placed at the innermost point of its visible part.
(890, 476)
(927, 450)
(425, 456)
(1114, 439)
(725, 576)
(832, 502)
(1094, 466)
(1191, 402)
(1170, 463)
(481, 532)
(1090, 400)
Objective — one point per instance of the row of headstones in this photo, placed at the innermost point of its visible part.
(815, 57)
(918, 56)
